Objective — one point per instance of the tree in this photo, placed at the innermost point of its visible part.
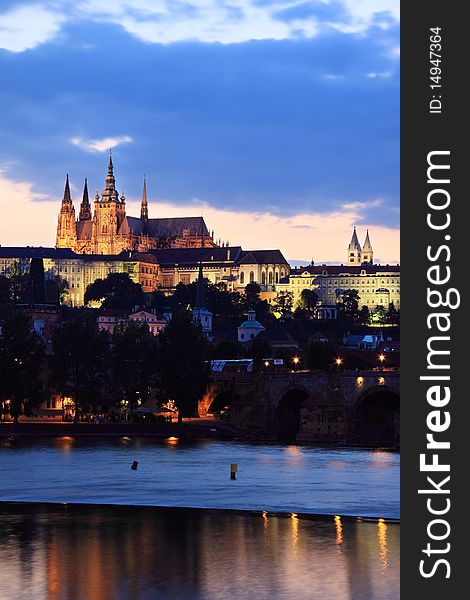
(227, 349)
(308, 302)
(133, 363)
(283, 303)
(79, 362)
(116, 291)
(18, 282)
(57, 289)
(259, 349)
(364, 316)
(348, 306)
(182, 367)
(252, 295)
(379, 315)
(319, 355)
(393, 315)
(21, 365)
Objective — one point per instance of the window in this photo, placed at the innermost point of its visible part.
(270, 278)
(252, 277)
(242, 278)
(263, 278)
(277, 277)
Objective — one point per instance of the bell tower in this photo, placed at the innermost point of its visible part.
(109, 213)
(354, 250)
(66, 226)
(367, 255)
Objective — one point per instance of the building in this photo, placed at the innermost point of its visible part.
(162, 268)
(356, 254)
(109, 318)
(377, 285)
(79, 270)
(230, 265)
(250, 328)
(109, 230)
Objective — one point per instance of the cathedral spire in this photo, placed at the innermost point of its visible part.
(67, 199)
(110, 194)
(85, 207)
(354, 243)
(367, 244)
(144, 210)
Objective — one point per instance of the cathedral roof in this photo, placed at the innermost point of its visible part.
(167, 227)
(84, 229)
(168, 257)
(337, 270)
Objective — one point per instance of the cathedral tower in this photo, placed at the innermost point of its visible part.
(144, 210)
(66, 226)
(109, 215)
(85, 206)
(354, 251)
(367, 255)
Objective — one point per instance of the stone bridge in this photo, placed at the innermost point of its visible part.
(359, 407)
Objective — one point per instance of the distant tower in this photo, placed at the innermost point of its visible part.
(201, 314)
(66, 226)
(85, 206)
(367, 255)
(144, 210)
(109, 215)
(354, 250)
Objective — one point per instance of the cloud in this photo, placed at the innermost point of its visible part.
(101, 145)
(28, 26)
(208, 21)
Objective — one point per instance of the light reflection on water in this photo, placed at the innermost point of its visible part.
(114, 553)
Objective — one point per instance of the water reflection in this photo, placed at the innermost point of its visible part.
(339, 532)
(382, 537)
(114, 553)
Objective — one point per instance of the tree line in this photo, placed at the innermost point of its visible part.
(99, 371)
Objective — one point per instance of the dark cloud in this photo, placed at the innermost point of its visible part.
(296, 125)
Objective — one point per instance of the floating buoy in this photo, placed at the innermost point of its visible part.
(134, 465)
(233, 471)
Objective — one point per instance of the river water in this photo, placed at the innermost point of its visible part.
(151, 552)
(116, 553)
(301, 479)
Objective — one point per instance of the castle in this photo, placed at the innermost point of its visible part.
(357, 255)
(110, 231)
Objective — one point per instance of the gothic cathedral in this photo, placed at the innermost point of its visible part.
(110, 231)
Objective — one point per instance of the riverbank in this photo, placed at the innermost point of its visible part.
(192, 430)
(9, 505)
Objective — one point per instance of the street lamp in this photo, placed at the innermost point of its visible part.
(296, 360)
(381, 359)
(339, 362)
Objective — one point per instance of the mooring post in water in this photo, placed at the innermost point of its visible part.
(134, 465)
(233, 470)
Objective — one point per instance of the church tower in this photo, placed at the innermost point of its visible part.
(354, 251)
(144, 210)
(66, 226)
(85, 206)
(367, 255)
(110, 212)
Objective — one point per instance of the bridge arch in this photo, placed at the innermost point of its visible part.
(376, 417)
(287, 413)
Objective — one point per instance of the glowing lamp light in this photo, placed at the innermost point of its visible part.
(266, 363)
(296, 360)
(381, 357)
(339, 361)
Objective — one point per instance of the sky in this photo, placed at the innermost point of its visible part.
(278, 121)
